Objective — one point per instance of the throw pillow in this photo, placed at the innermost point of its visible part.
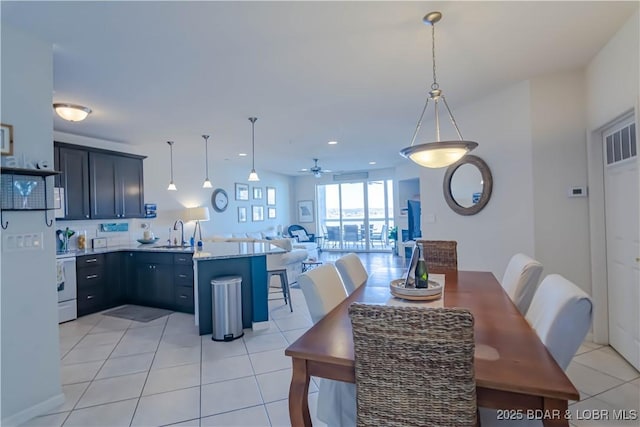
(301, 235)
(282, 243)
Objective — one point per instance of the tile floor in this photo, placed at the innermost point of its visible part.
(117, 372)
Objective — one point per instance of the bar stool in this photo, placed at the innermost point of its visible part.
(284, 283)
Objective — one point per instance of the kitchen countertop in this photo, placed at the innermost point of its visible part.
(210, 250)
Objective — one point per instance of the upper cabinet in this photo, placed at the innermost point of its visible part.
(100, 184)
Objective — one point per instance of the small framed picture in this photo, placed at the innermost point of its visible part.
(257, 193)
(271, 196)
(6, 140)
(242, 191)
(257, 213)
(305, 211)
(242, 214)
(271, 213)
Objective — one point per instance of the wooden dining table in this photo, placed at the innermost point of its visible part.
(514, 371)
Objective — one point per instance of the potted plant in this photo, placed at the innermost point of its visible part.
(393, 235)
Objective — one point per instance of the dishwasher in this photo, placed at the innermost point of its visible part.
(67, 287)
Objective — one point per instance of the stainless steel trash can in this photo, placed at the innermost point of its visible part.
(226, 308)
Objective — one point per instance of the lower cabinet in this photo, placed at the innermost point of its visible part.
(154, 279)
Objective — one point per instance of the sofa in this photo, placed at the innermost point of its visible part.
(290, 260)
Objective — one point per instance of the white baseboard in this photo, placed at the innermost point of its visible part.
(33, 411)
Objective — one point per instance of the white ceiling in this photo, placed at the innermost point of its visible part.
(356, 72)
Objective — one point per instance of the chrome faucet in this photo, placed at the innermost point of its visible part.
(175, 227)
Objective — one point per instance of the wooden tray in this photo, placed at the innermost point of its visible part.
(417, 297)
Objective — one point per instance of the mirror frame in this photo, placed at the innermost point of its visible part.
(487, 187)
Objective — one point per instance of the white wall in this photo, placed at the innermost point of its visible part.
(611, 91)
(502, 127)
(29, 312)
(189, 173)
(558, 123)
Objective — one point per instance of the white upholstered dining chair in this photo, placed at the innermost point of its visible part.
(561, 315)
(520, 280)
(352, 272)
(323, 290)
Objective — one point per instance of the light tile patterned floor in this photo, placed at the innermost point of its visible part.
(117, 372)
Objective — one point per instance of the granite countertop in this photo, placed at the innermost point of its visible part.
(210, 250)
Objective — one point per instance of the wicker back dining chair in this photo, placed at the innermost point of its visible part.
(440, 254)
(414, 366)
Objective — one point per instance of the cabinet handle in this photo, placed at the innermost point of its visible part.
(182, 259)
(91, 260)
(182, 276)
(92, 276)
(89, 296)
(86, 216)
(183, 296)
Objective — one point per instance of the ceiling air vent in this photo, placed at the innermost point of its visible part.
(354, 176)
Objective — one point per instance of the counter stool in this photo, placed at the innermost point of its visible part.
(284, 283)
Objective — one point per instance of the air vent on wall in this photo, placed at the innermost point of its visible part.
(355, 176)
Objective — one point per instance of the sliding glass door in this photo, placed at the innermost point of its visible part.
(356, 216)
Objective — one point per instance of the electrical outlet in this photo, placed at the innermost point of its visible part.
(22, 242)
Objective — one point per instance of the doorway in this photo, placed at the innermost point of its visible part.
(622, 225)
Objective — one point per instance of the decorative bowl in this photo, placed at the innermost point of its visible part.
(146, 242)
(399, 290)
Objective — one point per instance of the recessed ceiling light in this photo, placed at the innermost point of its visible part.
(372, 163)
(332, 142)
(304, 170)
(242, 154)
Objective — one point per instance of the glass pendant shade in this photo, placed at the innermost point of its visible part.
(72, 112)
(437, 154)
(207, 184)
(253, 175)
(172, 187)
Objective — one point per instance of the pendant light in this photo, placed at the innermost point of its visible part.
(437, 154)
(72, 112)
(207, 183)
(253, 176)
(172, 186)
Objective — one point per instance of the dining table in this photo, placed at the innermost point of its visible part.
(515, 373)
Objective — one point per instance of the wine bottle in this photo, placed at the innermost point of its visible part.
(422, 274)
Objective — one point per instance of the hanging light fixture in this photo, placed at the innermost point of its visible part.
(436, 154)
(72, 112)
(207, 183)
(172, 186)
(253, 176)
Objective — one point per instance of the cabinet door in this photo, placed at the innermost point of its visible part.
(154, 285)
(113, 294)
(74, 165)
(103, 180)
(130, 188)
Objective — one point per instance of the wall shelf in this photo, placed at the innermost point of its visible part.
(24, 190)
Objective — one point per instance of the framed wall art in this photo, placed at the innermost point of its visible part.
(242, 191)
(257, 213)
(305, 211)
(271, 196)
(6, 140)
(257, 193)
(242, 214)
(271, 213)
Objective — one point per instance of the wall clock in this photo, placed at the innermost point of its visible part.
(219, 200)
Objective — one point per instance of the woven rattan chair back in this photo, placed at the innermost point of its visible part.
(414, 366)
(440, 254)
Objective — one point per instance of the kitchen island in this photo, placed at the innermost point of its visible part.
(244, 259)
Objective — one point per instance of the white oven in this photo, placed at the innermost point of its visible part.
(67, 287)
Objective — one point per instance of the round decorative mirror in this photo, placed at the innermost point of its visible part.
(467, 185)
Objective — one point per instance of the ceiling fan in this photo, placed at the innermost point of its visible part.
(316, 170)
